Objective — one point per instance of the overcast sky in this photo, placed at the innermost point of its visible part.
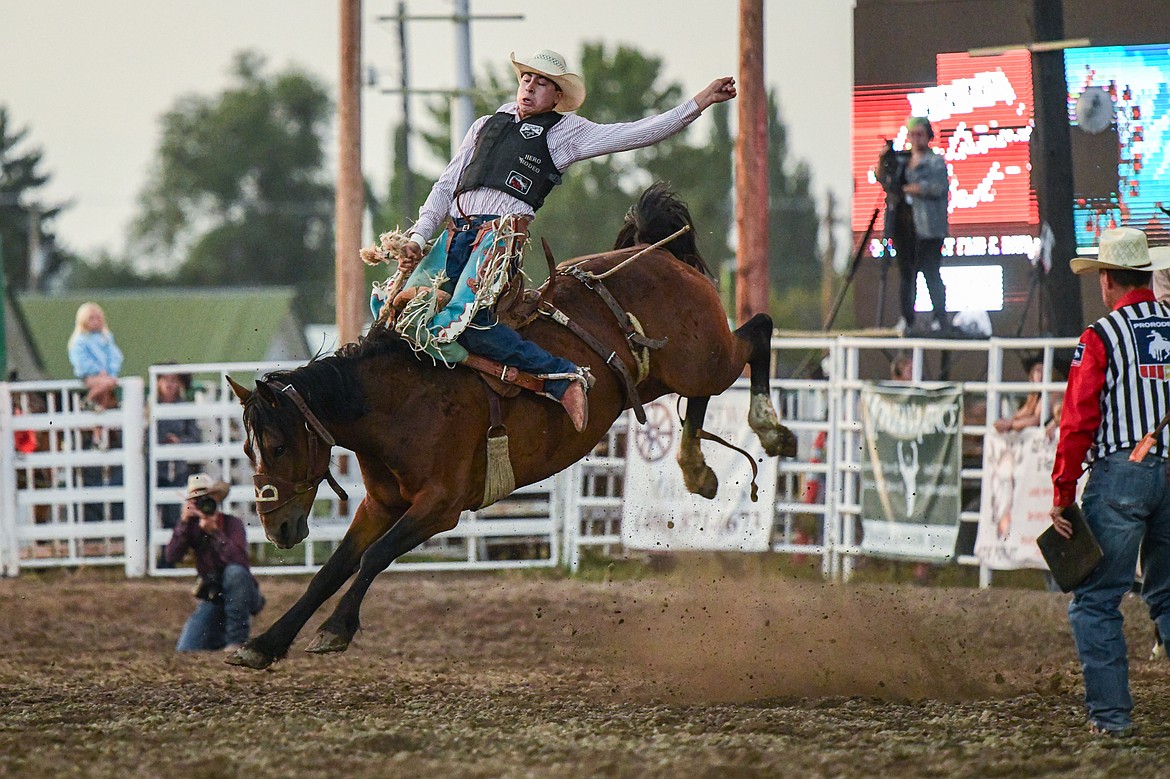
(91, 78)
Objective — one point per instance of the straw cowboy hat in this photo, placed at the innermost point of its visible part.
(1124, 248)
(200, 484)
(552, 66)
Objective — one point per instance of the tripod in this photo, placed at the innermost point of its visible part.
(1033, 285)
(853, 266)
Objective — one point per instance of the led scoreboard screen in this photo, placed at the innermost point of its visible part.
(1121, 174)
(981, 109)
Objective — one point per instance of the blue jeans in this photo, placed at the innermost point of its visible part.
(487, 337)
(1127, 505)
(215, 624)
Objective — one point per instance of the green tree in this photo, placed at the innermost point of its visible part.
(794, 267)
(21, 176)
(239, 193)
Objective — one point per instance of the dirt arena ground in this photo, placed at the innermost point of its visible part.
(693, 674)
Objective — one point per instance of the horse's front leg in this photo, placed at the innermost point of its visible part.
(371, 520)
(424, 519)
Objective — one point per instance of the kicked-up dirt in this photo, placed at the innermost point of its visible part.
(694, 674)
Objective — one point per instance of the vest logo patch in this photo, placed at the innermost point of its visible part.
(1078, 355)
(1152, 336)
(530, 131)
(519, 182)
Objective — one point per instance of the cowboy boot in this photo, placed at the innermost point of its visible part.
(576, 399)
(576, 403)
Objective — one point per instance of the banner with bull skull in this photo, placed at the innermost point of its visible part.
(910, 470)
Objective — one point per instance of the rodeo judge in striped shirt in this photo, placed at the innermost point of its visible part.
(507, 164)
(1117, 392)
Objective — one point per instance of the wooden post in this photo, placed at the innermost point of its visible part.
(751, 167)
(828, 270)
(350, 292)
(1052, 170)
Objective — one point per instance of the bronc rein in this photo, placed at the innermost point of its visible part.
(273, 492)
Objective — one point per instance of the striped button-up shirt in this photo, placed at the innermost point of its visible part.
(570, 140)
(1117, 390)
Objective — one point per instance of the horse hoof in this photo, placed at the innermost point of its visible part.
(779, 442)
(325, 643)
(705, 484)
(247, 657)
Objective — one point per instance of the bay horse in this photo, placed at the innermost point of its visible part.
(418, 430)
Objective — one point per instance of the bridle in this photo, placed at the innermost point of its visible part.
(270, 489)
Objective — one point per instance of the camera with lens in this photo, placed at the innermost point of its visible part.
(206, 505)
(209, 588)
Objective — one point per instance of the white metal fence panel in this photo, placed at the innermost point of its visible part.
(77, 497)
(520, 531)
(87, 495)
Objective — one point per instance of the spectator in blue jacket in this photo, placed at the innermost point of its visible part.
(96, 359)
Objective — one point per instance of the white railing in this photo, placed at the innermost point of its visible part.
(521, 531)
(78, 499)
(92, 498)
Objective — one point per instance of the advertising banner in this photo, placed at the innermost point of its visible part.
(658, 513)
(910, 472)
(1017, 496)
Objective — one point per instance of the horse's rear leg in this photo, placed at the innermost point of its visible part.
(417, 525)
(776, 439)
(370, 522)
(697, 475)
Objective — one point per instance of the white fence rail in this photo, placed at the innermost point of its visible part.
(103, 488)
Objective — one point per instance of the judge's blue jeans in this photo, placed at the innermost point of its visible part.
(228, 620)
(1127, 505)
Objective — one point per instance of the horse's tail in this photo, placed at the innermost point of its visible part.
(658, 213)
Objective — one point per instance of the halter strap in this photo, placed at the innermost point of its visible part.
(273, 492)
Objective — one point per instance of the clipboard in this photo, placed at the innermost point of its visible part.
(1071, 560)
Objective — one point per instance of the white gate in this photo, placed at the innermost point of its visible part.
(86, 495)
(521, 531)
(76, 498)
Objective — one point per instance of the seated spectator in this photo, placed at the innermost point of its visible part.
(174, 388)
(95, 358)
(902, 368)
(1028, 414)
(227, 592)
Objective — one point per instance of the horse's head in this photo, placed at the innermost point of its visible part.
(289, 449)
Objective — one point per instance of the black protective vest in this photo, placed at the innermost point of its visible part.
(513, 157)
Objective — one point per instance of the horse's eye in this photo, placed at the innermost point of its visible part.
(278, 451)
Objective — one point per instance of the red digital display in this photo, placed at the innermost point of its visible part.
(981, 109)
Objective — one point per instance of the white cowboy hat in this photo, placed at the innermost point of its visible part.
(552, 66)
(200, 484)
(1123, 248)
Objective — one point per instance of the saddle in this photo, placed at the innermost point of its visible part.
(412, 306)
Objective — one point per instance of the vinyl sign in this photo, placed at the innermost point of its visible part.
(658, 513)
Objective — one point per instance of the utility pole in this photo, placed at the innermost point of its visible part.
(1052, 166)
(828, 271)
(350, 292)
(3, 316)
(404, 66)
(462, 107)
(36, 257)
(462, 96)
(751, 167)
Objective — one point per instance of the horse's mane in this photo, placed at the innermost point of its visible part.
(658, 213)
(330, 385)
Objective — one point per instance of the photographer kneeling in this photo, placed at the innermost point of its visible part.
(228, 594)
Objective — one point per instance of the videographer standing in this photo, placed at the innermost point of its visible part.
(228, 594)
